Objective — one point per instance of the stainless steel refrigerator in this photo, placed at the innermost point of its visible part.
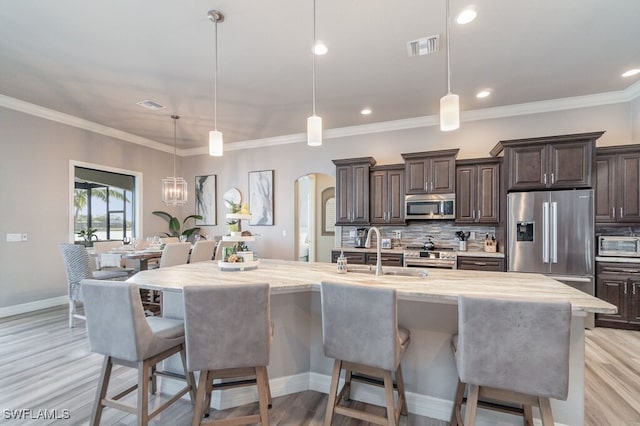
(552, 232)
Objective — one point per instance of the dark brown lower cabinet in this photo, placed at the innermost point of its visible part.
(479, 263)
(619, 284)
(366, 258)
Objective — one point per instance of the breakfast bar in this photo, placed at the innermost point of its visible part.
(426, 306)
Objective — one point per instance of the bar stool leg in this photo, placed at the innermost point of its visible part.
(263, 394)
(401, 395)
(528, 415)
(348, 373)
(456, 416)
(103, 384)
(333, 390)
(388, 390)
(144, 369)
(472, 405)
(545, 411)
(199, 409)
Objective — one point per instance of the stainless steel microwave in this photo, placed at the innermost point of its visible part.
(619, 246)
(430, 206)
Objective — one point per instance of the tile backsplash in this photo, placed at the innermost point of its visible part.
(415, 234)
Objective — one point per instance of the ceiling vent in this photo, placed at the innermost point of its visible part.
(424, 46)
(152, 105)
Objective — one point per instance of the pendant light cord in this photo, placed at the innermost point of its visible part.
(215, 78)
(313, 63)
(175, 119)
(448, 54)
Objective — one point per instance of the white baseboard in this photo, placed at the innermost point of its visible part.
(24, 308)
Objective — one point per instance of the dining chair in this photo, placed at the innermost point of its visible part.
(77, 267)
(107, 260)
(167, 240)
(360, 331)
(510, 351)
(228, 333)
(202, 251)
(175, 254)
(118, 329)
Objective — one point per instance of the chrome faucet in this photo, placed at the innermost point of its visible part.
(378, 251)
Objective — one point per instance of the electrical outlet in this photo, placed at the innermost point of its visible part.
(472, 235)
(284, 232)
(398, 234)
(352, 234)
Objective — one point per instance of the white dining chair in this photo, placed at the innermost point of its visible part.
(175, 254)
(167, 240)
(203, 250)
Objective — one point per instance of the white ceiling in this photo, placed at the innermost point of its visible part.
(96, 59)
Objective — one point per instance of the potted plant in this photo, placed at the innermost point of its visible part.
(88, 235)
(175, 228)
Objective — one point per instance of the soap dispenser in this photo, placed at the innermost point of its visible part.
(342, 263)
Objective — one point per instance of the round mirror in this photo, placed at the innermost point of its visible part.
(233, 195)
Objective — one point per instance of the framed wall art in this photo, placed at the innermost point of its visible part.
(261, 197)
(206, 200)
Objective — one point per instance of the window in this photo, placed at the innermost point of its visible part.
(105, 201)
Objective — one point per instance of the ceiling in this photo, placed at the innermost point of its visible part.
(95, 60)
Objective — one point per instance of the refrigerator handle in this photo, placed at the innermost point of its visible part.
(545, 232)
(554, 232)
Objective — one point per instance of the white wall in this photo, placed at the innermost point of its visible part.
(36, 152)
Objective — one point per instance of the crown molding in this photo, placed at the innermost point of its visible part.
(73, 121)
(627, 95)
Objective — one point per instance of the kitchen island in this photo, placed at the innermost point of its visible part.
(427, 307)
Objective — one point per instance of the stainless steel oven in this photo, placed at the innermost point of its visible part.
(438, 258)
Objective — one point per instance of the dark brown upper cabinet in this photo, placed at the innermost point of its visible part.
(386, 199)
(352, 190)
(550, 162)
(618, 184)
(431, 172)
(478, 191)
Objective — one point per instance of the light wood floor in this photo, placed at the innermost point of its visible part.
(46, 366)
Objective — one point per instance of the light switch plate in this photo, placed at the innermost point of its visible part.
(13, 238)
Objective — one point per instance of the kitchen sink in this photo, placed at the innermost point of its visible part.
(390, 271)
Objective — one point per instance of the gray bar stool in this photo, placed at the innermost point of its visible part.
(511, 351)
(360, 330)
(119, 330)
(228, 334)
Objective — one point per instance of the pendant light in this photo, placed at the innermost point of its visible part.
(314, 123)
(215, 136)
(174, 189)
(450, 103)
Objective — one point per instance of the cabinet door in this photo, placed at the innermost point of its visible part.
(612, 290)
(443, 175)
(378, 197)
(605, 188)
(395, 197)
(527, 167)
(360, 206)
(353, 257)
(628, 197)
(634, 302)
(417, 176)
(344, 195)
(488, 198)
(466, 194)
(570, 165)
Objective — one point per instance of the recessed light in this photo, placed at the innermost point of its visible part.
(466, 16)
(483, 93)
(320, 48)
(365, 111)
(149, 104)
(631, 72)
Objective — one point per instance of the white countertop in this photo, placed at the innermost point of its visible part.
(441, 286)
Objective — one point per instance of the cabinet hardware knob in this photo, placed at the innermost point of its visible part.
(544, 178)
(621, 215)
(613, 209)
(625, 288)
(553, 180)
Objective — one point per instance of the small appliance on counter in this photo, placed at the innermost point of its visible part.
(361, 238)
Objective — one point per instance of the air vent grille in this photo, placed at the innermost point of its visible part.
(152, 105)
(424, 46)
